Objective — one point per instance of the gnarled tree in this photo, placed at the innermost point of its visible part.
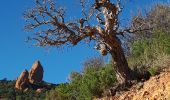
(52, 29)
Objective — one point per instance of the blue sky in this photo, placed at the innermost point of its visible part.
(17, 55)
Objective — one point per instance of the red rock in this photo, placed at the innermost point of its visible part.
(36, 73)
(22, 81)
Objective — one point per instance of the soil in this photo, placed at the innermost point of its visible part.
(156, 88)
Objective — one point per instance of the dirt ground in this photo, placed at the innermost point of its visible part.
(156, 88)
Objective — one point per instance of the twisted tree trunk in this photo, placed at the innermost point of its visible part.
(123, 72)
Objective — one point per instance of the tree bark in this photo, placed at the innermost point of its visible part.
(123, 72)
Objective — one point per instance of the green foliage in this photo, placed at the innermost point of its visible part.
(153, 71)
(53, 95)
(65, 90)
(107, 77)
(90, 83)
(30, 94)
(94, 82)
(8, 92)
(151, 49)
(6, 89)
(150, 53)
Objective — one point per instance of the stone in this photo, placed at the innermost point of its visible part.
(39, 90)
(26, 90)
(36, 73)
(22, 81)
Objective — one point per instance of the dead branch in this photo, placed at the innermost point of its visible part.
(52, 29)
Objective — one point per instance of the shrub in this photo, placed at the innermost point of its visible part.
(153, 71)
(90, 83)
(8, 92)
(150, 53)
(52, 95)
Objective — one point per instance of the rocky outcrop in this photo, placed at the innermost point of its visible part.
(36, 73)
(27, 79)
(33, 80)
(22, 81)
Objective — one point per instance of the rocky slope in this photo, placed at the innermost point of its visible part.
(156, 88)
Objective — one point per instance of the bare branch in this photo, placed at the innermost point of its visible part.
(55, 31)
(129, 30)
(99, 19)
(83, 6)
(118, 6)
(52, 29)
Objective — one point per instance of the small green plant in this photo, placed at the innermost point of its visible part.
(53, 95)
(153, 71)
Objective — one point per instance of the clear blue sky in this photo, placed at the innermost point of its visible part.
(17, 55)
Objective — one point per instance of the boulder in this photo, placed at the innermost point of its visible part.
(36, 73)
(22, 81)
(39, 90)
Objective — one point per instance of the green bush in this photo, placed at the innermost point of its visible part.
(8, 92)
(151, 53)
(94, 82)
(88, 84)
(153, 71)
(53, 95)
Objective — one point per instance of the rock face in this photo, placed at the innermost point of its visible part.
(31, 79)
(36, 73)
(22, 81)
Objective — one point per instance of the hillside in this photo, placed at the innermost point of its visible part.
(8, 92)
(156, 88)
(29, 85)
